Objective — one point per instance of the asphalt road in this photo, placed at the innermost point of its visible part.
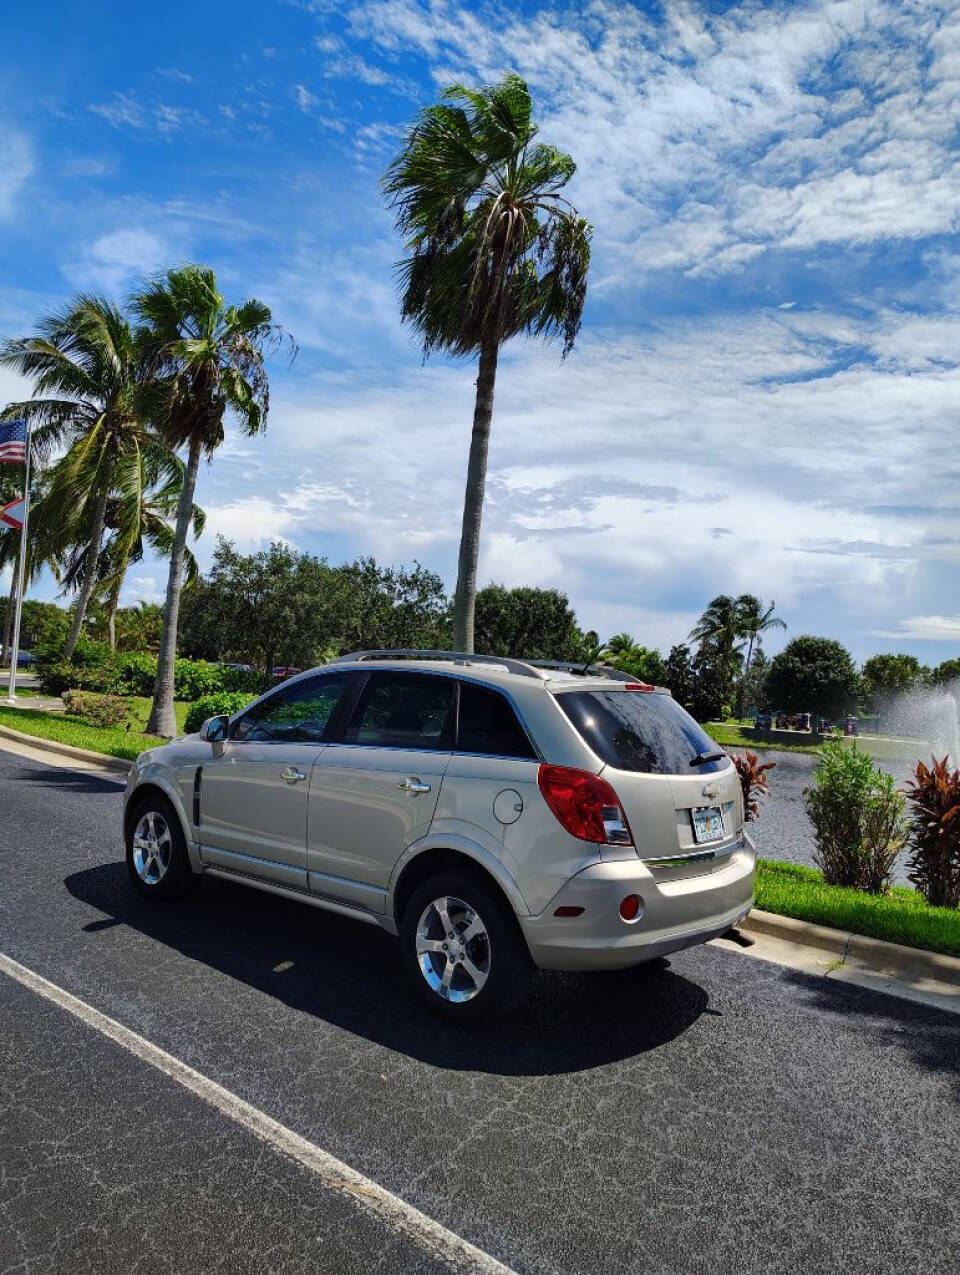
(713, 1114)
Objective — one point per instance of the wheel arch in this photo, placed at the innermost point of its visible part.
(420, 863)
(155, 787)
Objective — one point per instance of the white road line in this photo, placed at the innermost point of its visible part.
(366, 1194)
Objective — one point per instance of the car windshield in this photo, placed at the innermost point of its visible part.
(641, 731)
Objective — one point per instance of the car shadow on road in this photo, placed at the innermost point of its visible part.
(79, 781)
(348, 973)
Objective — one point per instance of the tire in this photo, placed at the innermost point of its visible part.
(165, 874)
(470, 979)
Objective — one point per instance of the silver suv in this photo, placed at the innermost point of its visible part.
(494, 814)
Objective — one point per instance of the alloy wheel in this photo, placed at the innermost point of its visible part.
(152, 847)
(453, 949)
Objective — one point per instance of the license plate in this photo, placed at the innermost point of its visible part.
(707, 824)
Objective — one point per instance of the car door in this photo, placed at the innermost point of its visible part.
(253, 798)
(375, 788)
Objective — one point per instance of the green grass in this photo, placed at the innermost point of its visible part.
(902, 916)
(117, 741)
(731, 735)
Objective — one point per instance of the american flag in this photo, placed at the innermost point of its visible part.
(13, 442)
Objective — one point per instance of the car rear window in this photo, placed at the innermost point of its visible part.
(641, 731)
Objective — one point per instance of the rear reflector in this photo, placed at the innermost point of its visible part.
(585, 804)
(568, 911)
(631, 907)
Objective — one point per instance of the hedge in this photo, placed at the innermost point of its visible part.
(228, 702)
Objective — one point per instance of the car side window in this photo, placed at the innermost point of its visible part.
(403, 710)
(298, 714)
(488, 724)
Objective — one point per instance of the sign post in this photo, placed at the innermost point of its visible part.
(21, 566)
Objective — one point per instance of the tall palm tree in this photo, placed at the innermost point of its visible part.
(494, 250)
(90, 395)
(754, 620)
(719, 628)
(209, 360)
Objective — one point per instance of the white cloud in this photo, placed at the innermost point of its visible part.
(141, 589)
(113, 259)
(926, 628)
(706, 139)
(16, 165)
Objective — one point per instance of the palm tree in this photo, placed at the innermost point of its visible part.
(209, 359)
(90, 394)
(718, 629)
(620, 644)
(138, 515)
(494, 250)
(754, 620)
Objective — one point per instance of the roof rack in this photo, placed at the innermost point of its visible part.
(523, 667)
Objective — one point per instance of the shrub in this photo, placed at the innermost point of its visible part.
(753, 782)
(57, 677)
(98, 710)
(934, 866)
(138, 672)
(249, 679)
(228, 702)
(193, 679)
(858, 819)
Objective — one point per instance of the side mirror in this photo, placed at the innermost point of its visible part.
(214, 731)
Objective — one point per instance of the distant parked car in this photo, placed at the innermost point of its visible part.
(764, 721)
(282, 671)
(493, 814)
(241, 668)
(24, 659)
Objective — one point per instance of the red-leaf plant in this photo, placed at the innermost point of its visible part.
(753, 782)
(934, 865)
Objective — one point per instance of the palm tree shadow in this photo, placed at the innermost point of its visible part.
(348, 973)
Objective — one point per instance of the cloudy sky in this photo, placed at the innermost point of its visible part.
(766, 393)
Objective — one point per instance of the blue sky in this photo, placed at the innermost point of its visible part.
(766, 392)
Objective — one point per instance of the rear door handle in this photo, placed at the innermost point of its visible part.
(412, 784)
(292, 775)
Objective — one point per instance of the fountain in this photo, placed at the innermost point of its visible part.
(931, 716)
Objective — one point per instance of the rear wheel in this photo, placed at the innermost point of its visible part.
(462, 948)
(157, 859)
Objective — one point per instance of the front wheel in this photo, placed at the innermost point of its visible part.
(462, 948)
(157, 859)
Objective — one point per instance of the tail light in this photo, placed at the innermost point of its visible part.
(585, 804)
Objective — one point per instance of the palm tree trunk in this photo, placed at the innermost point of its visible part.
(741, 693)
(89, 572)
(162, 720)
(8, 618)
(112, 621)
(465, 597)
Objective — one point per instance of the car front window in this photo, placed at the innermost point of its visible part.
(298, 714)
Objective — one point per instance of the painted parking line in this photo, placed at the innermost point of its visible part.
(333, 1174)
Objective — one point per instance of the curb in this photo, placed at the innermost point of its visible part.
(889, 960)
(66, 750)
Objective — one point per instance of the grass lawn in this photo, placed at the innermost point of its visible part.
(731, 735)
(902, 916)
(118, 741)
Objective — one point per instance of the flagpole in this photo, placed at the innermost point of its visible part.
(15, 648)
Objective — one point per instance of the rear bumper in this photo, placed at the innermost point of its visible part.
(677, 914)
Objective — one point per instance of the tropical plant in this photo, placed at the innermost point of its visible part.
(719, 640)
(754, 785)
(858, 819)
(753, 620)
(91, 394)
(208, 361)
(934, 865)
(620, 644)
(494, 251)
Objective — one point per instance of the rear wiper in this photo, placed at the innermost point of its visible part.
(701, 759)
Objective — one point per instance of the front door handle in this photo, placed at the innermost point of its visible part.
(411, 784)
(292, 775)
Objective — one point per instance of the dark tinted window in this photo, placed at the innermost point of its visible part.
(488, 724)
(297, 714)
(640, 730)
(403, 710)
